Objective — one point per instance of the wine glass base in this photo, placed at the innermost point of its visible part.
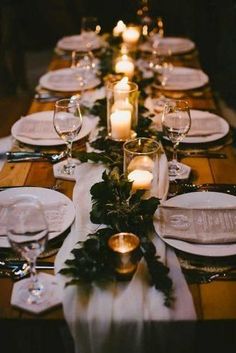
(51, 295)
(178, 171)
(59, 171)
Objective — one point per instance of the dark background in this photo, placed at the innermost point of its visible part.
(34, 25)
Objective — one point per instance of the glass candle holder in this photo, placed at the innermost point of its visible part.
(122, 109)
(125, 253)
(141, 162)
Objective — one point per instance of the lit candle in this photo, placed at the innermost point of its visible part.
(121, 89)
(120, 124)
(142, 179)
(119, 28)
(141, 162)
(125, 65)
(131, 35)
(122, 104)
(124, 247)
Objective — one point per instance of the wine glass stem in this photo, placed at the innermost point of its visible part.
(69, 152)
(174, 153)
(35, 286)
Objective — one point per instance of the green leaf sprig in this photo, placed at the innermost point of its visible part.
(114, 205)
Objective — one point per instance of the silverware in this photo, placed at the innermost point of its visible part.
(202, 155)
(19, 269)
(226, 188)
(21, 156)
(40, 265)
(195, 276)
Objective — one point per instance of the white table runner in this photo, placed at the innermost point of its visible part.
(115, 318)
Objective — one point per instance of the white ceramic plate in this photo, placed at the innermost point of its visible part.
(79, 42)
(200, 199)
(177, 45)
(64, 80)
(46, 196)
(87, 126)
(185, 78)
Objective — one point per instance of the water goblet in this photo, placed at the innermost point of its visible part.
(67, 120)
(90, 24)
(27, 231)
(83, 66)
(176, 122)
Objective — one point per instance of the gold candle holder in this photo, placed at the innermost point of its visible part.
(125, 251)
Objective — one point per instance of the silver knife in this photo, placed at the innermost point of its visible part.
(26, 156)
(40, 265)
(193, 154)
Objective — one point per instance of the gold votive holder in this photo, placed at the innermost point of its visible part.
(122, 109)
(125, 253)
(141, 163)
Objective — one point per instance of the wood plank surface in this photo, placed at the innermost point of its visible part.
(212, 301)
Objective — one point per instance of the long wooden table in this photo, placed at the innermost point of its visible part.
(213, 301)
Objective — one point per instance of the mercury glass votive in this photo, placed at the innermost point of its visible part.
(125, 253)
(140, 162)
(122, 109)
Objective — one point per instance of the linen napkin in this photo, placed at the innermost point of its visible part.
(37, 129)
(199, 225)
(205, 125)
(114, 318)
(54, 213)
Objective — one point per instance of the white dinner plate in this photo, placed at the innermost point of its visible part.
(64, 80)
(80, 42)
(185, 78)
(87, 126)
(176, 45)
(199, 200)
(46, 196)
(201, 115)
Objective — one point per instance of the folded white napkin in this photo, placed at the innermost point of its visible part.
(205, 125)
(37, 129)
(200, 225)
(54, 213)
(112, 318)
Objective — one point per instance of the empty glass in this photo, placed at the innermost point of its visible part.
(27, 231)
(83, 66)
(67, 120)
(176, 122)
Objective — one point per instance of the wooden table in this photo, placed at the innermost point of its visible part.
(213, 301)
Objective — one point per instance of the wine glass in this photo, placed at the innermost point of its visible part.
(27, 231)
(83, 66)
(90, 24)
(67, 121)
(176, 122)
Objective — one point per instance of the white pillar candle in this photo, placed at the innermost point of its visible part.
(142, 163)
(121, 89)
(119, 28)
(131, 35)
(122, 104)
(120, 124)
(142, 179)
(125, 65)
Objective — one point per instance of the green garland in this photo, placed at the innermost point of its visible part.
(117, 207)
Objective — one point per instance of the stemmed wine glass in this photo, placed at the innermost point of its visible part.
(27, 231)
(83, 66)
(67, 120)
(176, 122)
